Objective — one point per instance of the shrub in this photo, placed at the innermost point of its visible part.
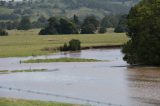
(65, 47)
(3, 32)
(74, 45)
(48, 31)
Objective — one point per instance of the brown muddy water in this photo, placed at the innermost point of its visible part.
(112, 82)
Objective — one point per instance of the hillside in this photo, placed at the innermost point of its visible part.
(67, 8)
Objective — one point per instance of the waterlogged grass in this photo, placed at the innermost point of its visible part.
(29, 43)
(60, 60)
(15, 71)
(16, 102)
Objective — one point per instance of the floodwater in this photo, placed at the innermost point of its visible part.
(97, 83)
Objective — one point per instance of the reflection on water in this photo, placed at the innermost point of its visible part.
(144, 84)
(111, 81)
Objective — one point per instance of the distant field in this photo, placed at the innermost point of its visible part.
(14, 102)
(27, 43)
(4, 10)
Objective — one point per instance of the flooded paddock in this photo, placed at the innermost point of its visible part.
(96, 83)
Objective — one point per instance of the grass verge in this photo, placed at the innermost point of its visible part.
(60, 60)
(18, 102)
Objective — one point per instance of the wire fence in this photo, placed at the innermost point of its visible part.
(88, 101)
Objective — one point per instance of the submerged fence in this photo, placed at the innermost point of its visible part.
(99, 103)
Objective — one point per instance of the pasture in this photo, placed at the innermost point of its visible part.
(29, 43)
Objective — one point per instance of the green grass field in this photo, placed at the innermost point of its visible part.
(15, 102)
(27, 43)
(60, 60)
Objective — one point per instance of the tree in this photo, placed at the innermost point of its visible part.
(67, 27)
(75, 19)
(144, 30)
(102, 30)
(9, 25)
(59, 26)
(109, 21)
(89, 25)
(76, 22)
(24, 24)
(27, 12)
(3, 32)
(52, 27)
(88, 29)
(92, 20)
(42, 19)
(40, 23)
(122, 25)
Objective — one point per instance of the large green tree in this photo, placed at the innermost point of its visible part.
(89, 25)
(52, 28)
(67, 27)
(144, 31)
(110, 21)
(59, 26)
(121, 27)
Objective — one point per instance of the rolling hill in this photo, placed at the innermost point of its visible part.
(67, 8)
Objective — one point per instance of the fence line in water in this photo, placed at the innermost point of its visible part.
(59, 96)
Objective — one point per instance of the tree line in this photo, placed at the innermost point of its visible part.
(108, 5)
(63, 25)
(89, 25)
(25, 21)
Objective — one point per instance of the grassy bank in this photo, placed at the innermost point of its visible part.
(15, 71)
(60, 60)
(27, 43)
(15, 102)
